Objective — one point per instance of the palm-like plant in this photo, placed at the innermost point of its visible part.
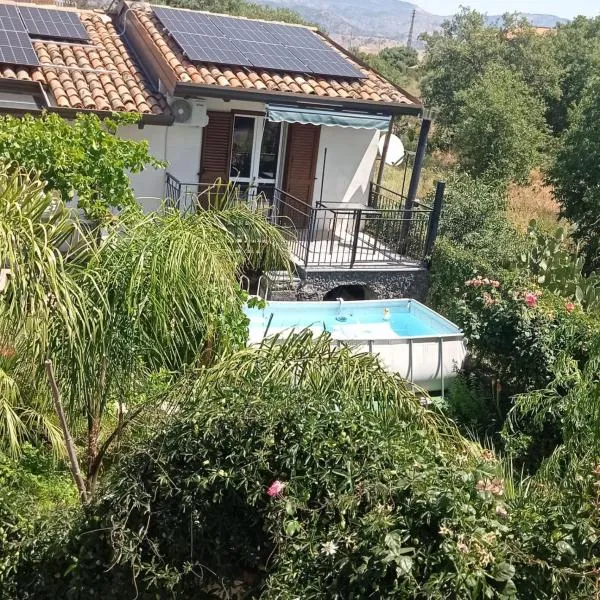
(158, 293)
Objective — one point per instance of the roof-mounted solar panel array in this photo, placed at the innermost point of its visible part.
(15, 45)
(10, 19)
(251, 43)
(52, 23)
(19, 23)
(16, 49)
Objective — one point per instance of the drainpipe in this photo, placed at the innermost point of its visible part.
(415, 177)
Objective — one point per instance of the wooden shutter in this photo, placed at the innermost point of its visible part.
(300, 166)
(216, 147)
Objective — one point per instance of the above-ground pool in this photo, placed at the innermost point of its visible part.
(409, 338)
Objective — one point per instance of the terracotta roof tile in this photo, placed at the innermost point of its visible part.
(372, 87)
(101, 75)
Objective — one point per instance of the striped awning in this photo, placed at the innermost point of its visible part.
(282, 113)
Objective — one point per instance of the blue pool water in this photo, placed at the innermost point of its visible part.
(380, 319)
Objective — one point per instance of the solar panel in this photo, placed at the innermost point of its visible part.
(186, 21)
(53, 23)
(272, 56)
(227, 40)
(16, 49)
(210, 48)
(10, 20)
(243, 30)
(326, 62)
(295, 37)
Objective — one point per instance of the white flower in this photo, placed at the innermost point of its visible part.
(329, 548)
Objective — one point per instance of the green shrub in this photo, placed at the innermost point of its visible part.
(31, 488)
(513, 342)
(380, 498)
(452, 265)
(557, 266)
(83, 158)
(474, 216)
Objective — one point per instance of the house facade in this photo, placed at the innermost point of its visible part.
(281, 111)
(307, 134)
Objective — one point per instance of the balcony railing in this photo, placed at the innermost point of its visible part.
(383, 233)
(386, 232)
(188, 197)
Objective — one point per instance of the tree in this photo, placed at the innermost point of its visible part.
(456, 57)
(575, 173)
(400, 57)
(576, 48)
(500, 131)
(466, 47)
(158, 295)
(83, 158)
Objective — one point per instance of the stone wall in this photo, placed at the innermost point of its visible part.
(400, 283)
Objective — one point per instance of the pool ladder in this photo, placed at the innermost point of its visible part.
(245, 285)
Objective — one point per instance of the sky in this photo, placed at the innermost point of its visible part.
(572, 8)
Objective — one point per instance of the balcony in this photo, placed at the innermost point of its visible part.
(388, 232)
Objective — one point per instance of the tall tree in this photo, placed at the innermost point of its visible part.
(575, 173)
(576, 48)
(501, 128)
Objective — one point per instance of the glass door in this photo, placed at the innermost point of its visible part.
(255, 155)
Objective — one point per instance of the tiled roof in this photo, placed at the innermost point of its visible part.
(100, 75)
(372, 88)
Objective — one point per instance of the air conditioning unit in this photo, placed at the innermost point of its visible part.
(191, 113)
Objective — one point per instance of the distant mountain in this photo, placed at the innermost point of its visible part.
(375, 23)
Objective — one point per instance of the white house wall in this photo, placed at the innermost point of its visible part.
(178, 145)
(351, 154)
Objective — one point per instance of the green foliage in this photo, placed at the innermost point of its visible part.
(158, 293)
(557, 267)
(500, 129)
(576, 48)
(400, 57)
(575, 173)
(466, 48)
(83, 158)
(511, 341)
(380, 498)
(474, 216)
(30, 489)
(452, 265)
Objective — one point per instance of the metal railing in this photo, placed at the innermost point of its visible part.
(188, 197)
(384, 232)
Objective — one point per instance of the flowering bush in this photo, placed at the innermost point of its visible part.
(516, 330)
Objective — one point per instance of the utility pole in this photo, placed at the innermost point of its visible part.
(409, 41)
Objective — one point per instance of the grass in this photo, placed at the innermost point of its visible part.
(532, 201)
(524, 202)
(435, 169)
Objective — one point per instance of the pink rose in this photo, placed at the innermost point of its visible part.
(275, 489)
(531, 299)
(569, 307)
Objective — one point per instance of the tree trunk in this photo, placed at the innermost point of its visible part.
(70, 446)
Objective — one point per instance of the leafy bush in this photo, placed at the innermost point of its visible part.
(474, 215)
(291, 471)
(83, 158)
(30, 488)
(452, 265)
(514, 342)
